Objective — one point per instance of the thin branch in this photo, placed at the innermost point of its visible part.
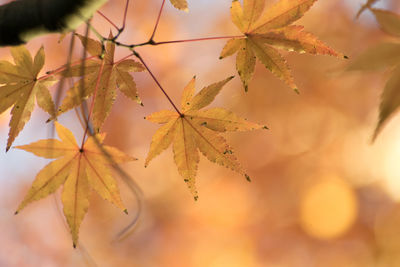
(157, 21)
(151, 42)
(109, 20)
(157, 82)
(125, 12)
(198, 39)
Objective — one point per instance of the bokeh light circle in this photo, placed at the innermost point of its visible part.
(328, 208)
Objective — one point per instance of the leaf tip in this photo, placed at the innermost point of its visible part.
(125, 211)
(345, 57)
(15, 213)
(247, 178)
(8, 148)
(73, 245)
(296, 91)
(265, 127)
(220, 57)
(196, 198)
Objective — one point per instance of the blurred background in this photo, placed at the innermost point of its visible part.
(321, 194)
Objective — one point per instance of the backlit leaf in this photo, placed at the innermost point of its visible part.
(194, 129)
(21, 86)
(102, 76)
(272, 28)
(79, 169)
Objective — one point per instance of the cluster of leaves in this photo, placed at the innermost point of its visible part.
(384, 55)
(189, 129)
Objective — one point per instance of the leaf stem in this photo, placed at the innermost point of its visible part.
(109, 20)
(157, 82)
(92, 104)
(157, 21)
(125, 12)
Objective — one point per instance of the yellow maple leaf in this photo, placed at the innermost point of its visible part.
(264, 32)
(111, 75)
(382, 56)
(20, 86)
(79, 169)
(193, 129)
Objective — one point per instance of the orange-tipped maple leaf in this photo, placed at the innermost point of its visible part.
(264, 32)
(20, 86)
(79, 169)
(101, 75)
(193, 129)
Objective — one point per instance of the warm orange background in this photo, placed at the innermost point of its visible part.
(321, 194)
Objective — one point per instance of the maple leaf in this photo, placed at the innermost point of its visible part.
(20, 86)
(382, 56)
(193, 129)
(79, 169)
(106, 75)
(264, 32)
(180, 4)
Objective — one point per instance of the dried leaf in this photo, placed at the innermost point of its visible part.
(195, 129)
(79, 169)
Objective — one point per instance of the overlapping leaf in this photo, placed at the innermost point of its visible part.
(195, 129)
(102, 76)
(79, 169)
(20, 86)
(382, 56)
(264, 32)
